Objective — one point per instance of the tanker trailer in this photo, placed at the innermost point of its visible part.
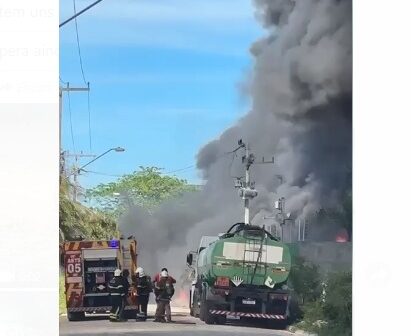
(241, 274)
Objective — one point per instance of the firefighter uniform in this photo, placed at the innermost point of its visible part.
(117, 294)
(163, 290)
(143, 286)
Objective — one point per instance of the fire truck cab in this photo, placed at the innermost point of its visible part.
(89, 266)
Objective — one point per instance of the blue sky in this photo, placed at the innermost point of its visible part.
(164, 77)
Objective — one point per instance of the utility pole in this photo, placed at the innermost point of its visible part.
(246, 190)
(280, 205)
(249, 159)
(75, 171)
(61, 90)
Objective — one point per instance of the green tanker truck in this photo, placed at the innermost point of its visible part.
(241, 274)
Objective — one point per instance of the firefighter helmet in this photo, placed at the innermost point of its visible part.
(140, 272)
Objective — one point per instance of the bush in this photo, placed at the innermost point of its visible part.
(337, 308)
(305, 280)
(330, 315)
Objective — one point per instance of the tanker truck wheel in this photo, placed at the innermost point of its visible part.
(204, 313)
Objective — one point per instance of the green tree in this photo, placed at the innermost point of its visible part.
(147, 187)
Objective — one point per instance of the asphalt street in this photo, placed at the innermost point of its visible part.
(184, 325)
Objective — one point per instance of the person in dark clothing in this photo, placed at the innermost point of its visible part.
(158, 276)
(164, 290)
(125, 273)
(117, 292)
(144, 288)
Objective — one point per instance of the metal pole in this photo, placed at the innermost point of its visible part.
(60, 114)
(304, 230)
(96, 158)
(299, 230)
(77, 14)
(247, 184)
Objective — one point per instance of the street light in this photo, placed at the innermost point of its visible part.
(117, 149)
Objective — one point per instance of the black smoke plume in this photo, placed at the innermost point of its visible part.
(301, 92)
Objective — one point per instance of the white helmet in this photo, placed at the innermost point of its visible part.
(164, 273)
(140, 272)
(117, 272)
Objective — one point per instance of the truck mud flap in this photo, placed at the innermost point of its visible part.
(228, 314)
(97, 309)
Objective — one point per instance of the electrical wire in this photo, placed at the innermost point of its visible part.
(98, 173)
(62, 81)
(78, 44)
(192, 166)
(181, 169)
(83, 75)
(71, 122)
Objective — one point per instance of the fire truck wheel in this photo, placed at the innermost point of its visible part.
(79, 316)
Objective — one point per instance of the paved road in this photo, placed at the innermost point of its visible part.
(184, 326)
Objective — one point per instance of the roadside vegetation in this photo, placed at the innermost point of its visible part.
(323, 303)
(62, 297)
(78, 220)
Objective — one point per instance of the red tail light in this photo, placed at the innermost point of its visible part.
(222, 282)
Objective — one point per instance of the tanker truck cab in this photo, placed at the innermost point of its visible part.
(192, 259)
(242, 274)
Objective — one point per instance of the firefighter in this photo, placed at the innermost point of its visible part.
(144, 288)
(117, 293)
(125, 273)
(158, 276)
(164, 290)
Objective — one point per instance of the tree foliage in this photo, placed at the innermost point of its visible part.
(147, 187)
(77, 220)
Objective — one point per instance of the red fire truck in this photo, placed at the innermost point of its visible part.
(89, 266)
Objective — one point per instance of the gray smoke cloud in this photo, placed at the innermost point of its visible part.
(301, 92)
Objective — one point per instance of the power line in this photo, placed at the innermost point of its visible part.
(62, 81)
(78, 44)
(81, 12)
(192, 166)
(98, 173)
(181, 169)
(84, 77)
(71, 122)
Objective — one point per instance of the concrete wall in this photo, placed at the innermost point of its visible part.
(329, 256)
